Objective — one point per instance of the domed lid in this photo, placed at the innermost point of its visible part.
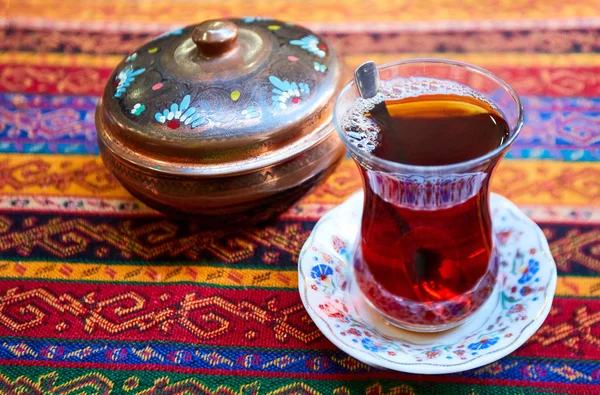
(222, 97)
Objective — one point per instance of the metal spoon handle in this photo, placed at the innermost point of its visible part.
(366, 78)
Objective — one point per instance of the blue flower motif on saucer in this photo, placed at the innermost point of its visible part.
(369, 345)
(533, 267)
(483, 344)
(311, 44)
(125, 78)
(321, 272)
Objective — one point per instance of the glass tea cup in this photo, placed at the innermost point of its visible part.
(425, 257)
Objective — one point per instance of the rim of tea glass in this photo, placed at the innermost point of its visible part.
(337, 118)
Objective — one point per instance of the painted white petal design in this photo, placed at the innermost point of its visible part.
(186, 114)
(192, 118)
(185, 103)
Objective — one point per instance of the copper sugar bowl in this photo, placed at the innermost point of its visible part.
(226, 121)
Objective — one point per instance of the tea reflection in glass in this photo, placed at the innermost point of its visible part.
(426, 146)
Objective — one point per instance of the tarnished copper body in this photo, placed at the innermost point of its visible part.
(246, 150)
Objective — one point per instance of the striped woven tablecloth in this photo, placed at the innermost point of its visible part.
(101, 295)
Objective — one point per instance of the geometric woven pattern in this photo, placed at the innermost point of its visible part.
(99, 294)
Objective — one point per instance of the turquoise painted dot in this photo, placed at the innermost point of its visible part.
(473, 353)
(448, 357)
(537, 280)
(535, 298)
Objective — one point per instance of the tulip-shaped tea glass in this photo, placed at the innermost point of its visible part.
(425, 258)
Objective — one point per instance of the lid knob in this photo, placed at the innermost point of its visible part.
(215, 37)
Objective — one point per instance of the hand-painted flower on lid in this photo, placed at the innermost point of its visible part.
(222, 97)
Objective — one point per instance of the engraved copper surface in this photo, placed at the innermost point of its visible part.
(217, 117)
(267, 87)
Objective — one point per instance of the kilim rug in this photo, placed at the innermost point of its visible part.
(101, 295)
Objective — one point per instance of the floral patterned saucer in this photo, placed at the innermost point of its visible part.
(517, 308)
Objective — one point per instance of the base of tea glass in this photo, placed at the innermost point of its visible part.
(431, 316)
(516, 309)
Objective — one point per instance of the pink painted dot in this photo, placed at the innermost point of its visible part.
(295, 100)
(156, 87)
(292, 58)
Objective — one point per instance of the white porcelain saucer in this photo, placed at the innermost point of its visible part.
(518, 307)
